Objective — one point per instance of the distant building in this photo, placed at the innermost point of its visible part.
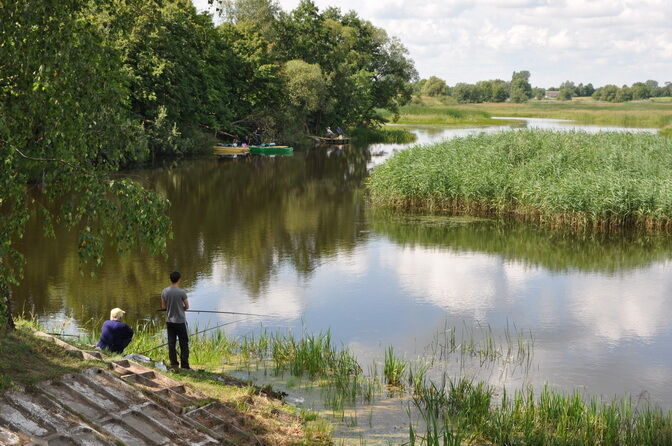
(551, 94)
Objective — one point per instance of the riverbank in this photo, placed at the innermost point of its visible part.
(431, 111)
(428, 110)
(602, 181)
(256, 415)
(446, 409)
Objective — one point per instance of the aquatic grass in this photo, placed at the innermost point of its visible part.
(602, 182)
(549, 418)
(383, 135)
(440, 114)
(394, 368)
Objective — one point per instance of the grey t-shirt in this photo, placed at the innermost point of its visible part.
(174, 298)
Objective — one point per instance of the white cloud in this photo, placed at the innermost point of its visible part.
(598, 41)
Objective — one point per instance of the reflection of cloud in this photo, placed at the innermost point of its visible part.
(618, 308)
(458, 282)
(222, 292)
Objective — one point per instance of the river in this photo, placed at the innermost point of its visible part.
(294, 237)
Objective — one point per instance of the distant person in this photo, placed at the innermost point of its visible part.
(174, 301)
(339, 131)
(330, 132)
(115, 335)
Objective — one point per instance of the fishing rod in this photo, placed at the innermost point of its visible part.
(199, 332)
(226, 312)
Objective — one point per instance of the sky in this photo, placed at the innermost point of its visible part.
(598, 41)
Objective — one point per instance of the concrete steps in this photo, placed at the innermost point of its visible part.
(215, 418)
(128, 405)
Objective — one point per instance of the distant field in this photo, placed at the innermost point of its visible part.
(432, 111)
(655, 114)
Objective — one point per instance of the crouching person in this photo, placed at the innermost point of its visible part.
(115, 335)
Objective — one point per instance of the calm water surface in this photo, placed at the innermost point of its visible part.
(295, 237)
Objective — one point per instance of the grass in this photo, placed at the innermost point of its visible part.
(462, 408)
(383, 135)
(395, 368)
(653, 114)
(26, 360)
(427, 110)
(434, 112)
(666, 131)
(593, 181)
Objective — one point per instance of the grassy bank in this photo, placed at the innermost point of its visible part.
(600, 181)
(365, 135)
(432, 111)
(653, 114)
(26, 360)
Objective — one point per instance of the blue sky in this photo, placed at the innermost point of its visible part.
(598, 41)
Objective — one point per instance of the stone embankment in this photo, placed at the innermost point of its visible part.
(127, 404)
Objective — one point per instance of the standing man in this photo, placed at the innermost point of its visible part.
(174, 301)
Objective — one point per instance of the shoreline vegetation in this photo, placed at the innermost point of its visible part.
(603, 181)
(426, 110)
(441, 410)
(391, 135)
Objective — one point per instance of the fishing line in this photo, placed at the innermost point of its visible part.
(226, 312)
(199, 332)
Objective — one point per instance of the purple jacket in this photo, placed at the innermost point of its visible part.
(115, 336)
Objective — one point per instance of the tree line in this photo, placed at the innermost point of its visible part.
(519, 89)
(88, 87)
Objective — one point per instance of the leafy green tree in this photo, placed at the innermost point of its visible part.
(566, 94)
(521, 90)
(434, 86)
(538, 93)
(305, 87)
(640, 90)
(64, 131)
(624, 94)
(607, 93)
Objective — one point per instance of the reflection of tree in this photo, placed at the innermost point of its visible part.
(253, 216)
(557, 251)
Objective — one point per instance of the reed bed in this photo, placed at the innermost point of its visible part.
(461, 409)
(601, 181)
(383, 135)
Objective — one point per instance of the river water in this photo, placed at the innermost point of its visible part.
(294, 237)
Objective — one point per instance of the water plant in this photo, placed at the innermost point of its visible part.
(394, 368)
(603, 181)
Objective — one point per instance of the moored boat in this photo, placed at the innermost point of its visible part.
(230, 151)
(336, 140)
(271, 150)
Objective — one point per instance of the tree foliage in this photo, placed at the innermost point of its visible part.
(65, 128)
(90, 87)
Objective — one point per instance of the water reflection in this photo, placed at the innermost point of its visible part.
(294, 237)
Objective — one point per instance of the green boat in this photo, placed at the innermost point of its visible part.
(271, 150)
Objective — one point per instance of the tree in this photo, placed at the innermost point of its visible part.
(434, 86)
(640, 90)
(607, 93)
(305, 87)
(64, 130)
(566, 94)
(521, 90)
(538, 93)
